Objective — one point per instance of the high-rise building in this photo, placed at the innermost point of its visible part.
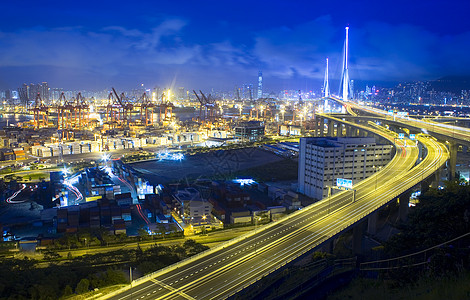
(44, 91)
(181, 93)
(260, 85)
(15, 97)
(28, 93)
(247, 91)
(55, 94)
(323, 160)
(23, 92)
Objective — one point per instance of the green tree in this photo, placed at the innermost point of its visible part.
(112, 277)
(68, 290)
(83, 286)
(50, 255)
(192, 247)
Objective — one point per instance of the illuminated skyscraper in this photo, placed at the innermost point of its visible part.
(247, 91)
(44, 92)
(260, 85)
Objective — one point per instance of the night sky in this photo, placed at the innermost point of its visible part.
(222, 44)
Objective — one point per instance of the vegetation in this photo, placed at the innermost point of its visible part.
(92, 238)
(138, 157)
(33, 279)
(448, 287)
(440, 216)
(441, 272)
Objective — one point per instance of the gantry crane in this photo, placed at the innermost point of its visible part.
(40, 113)
(81, 112)
(166, 109)
(146, 110)
(118, 110)
(208, 108)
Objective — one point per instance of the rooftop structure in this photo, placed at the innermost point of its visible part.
(250, 131)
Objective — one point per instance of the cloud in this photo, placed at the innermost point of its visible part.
(299, 51)
(378, 51)
(125, 56)
(106, 52)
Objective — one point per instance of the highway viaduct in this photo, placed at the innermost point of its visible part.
(455, 137)
(223, 271)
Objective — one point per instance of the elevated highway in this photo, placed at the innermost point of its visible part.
(221, 272)
(451, 134)
(439, 130)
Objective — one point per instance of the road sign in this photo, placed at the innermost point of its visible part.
(341, 182)
(412, 136)
(401, 135)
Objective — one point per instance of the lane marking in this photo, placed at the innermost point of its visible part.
(171, 289)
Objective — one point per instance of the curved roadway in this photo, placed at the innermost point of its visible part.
(452, 131)
(223, 271)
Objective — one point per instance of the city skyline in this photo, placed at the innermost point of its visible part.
(222, 45)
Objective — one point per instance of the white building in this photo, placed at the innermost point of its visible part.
(192, 208)
(324, 159)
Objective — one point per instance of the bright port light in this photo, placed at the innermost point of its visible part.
(242, 182)
(65, 171)
(170, 156)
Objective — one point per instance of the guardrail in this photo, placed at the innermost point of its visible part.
(411, 260)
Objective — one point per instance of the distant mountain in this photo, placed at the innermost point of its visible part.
(453, 84)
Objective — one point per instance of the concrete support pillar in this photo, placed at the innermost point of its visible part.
(424, 186)
(321, 127)
(431, 182)
(339, 129)
(404, 200)
(452, 160)
(331, 128)
(358, 233)
(434, 179)
(372, 223)
(361, 133)
(315, 127)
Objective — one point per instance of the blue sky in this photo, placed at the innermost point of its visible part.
(221, 44)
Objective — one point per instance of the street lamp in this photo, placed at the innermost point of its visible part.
(256, 222)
